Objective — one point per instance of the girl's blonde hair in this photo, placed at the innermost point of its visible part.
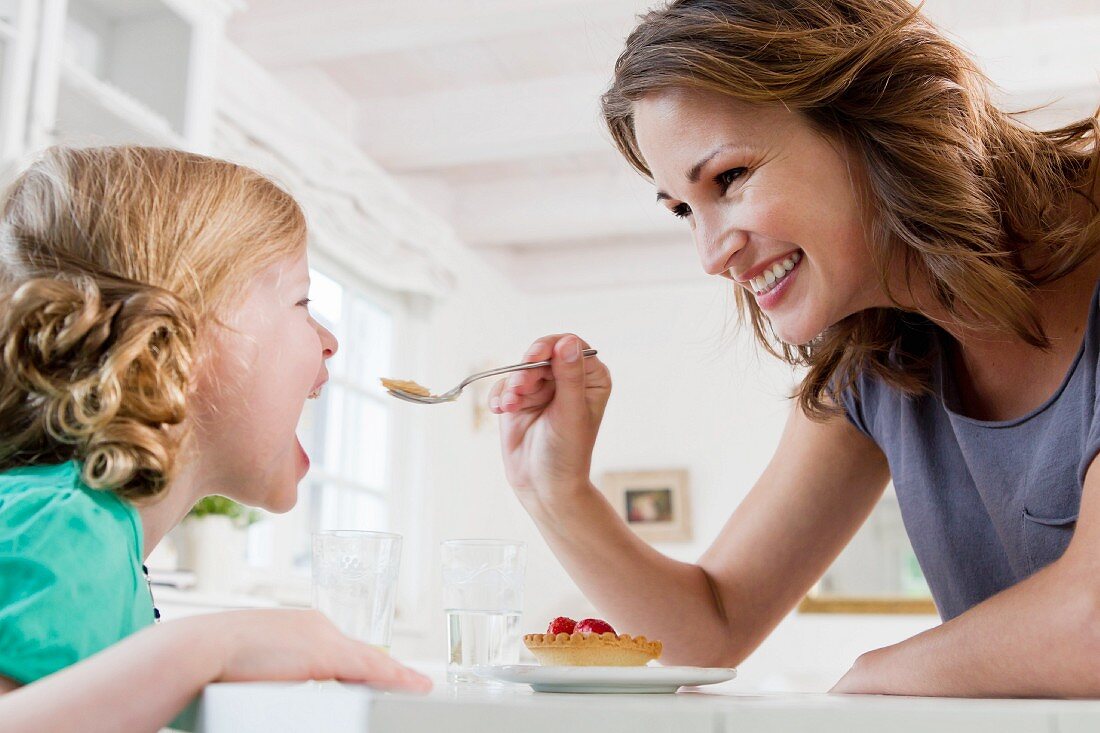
(960, 190)
(113, 263)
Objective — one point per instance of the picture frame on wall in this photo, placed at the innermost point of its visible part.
(655, 504)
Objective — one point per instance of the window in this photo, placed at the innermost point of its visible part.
(347, 433)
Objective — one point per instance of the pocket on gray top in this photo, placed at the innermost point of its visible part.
(1046, 537)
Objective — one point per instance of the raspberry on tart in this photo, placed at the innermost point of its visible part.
(592, 643)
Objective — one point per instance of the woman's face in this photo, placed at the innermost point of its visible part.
(762, 191)
(252, 390)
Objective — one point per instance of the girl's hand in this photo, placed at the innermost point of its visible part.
(281, 644)
(550, 418)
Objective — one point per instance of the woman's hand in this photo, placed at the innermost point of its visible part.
(281, 644)
(864, 678)
(550, 418)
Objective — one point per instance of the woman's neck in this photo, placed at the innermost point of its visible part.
(1000, 376)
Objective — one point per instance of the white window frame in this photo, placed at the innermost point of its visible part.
(404, 472)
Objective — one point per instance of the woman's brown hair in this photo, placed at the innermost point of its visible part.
(114, 262)
(986, 208)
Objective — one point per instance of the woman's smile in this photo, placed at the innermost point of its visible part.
(771, 279)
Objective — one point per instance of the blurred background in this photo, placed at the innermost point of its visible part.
(464, 199)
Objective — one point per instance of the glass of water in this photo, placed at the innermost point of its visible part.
(483, 599)
(355, 582)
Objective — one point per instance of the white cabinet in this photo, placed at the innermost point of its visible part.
(18, 22)
(124, 71)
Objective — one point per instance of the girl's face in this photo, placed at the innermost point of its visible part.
(252, 390)
(762, 191)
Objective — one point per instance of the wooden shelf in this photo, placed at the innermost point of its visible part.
(884, 605)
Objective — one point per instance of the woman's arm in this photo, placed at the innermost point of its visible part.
(141, 683)
(819, 487)
(1039, 638)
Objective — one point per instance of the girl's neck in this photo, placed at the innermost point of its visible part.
(158, 517)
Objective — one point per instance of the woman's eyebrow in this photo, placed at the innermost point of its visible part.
(695, 170)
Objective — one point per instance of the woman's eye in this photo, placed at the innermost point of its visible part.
(304, 302)
(681, 210)
(725, 179)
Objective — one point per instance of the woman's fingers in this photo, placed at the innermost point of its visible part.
(503, 398)
(528, 381)
(511, 390)
(533, 388)
(570, 375)
(536, 400)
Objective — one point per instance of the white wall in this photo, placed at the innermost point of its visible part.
(689, 391)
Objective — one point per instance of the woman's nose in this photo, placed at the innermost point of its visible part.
(717, 246)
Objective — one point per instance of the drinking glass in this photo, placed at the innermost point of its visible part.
(355, 582)
(483, 599)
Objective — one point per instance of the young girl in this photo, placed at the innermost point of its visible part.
(156, 347)
(932, 262)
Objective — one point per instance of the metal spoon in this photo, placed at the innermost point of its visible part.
(452, 394)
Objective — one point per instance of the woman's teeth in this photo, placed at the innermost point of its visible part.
(768, 279)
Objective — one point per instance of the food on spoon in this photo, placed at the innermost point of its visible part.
(406, 385)
(591, 643)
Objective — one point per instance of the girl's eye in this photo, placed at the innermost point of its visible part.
(725, 179)
(681, 210)
(304, 302)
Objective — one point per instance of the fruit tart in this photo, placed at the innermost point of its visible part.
(589, 643)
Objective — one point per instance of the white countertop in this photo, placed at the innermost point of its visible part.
(339, 708)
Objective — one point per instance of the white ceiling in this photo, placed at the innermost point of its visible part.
(487, 110)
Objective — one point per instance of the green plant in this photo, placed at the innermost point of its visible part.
(215, 505)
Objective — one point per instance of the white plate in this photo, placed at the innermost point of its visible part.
(631, 680)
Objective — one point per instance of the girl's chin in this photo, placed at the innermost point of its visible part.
(283, 503)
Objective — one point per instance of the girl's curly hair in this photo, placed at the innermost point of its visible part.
(113, 264)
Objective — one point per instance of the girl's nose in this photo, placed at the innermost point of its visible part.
(329, 344)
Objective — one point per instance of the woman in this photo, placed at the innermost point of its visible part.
(931, 262)
(157, 347)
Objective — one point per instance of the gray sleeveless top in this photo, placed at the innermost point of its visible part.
(985, 504)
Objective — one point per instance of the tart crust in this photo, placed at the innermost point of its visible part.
(592, 650)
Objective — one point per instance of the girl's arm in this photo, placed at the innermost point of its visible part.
(821, 484)
(144, 681)
(1039, 638)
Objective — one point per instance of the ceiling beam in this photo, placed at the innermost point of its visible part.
(276, 34)
(488, 123)
(626, 262)
(534, 210)
(455, 127)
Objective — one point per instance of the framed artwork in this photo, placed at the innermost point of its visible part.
(653, 503)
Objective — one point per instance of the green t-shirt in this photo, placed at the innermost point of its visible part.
(71, 582)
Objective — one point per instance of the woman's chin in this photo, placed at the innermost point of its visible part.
(794, 334)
